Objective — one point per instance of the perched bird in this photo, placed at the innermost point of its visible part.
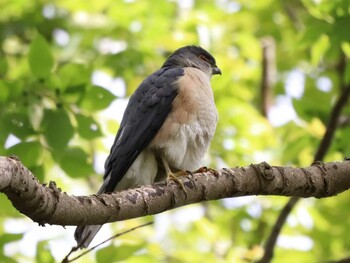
(167, 127)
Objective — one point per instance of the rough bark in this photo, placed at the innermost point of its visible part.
(49, 205)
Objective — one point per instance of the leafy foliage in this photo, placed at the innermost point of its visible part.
(51, 111)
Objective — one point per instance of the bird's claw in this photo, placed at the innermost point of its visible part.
(175, 178)
(205, 169)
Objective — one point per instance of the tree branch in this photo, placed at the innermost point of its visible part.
(320, 153)
(49, 205)
(333, 123)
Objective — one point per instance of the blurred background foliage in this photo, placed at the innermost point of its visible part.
(68, 67)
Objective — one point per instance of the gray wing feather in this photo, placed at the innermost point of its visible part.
(145, 113)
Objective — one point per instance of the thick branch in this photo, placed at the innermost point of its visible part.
(47, 204)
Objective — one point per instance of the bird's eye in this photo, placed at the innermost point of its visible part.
(202, 57)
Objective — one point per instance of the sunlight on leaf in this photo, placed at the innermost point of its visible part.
(40, 57)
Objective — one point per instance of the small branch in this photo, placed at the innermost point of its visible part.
(344, 260)
(66, 260)
(332, 124)
(268, 77)
(49, 205)
(271, 241)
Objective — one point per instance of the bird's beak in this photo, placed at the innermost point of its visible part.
(216, 70)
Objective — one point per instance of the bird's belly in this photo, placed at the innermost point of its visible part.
(188, 142)
(142, 172)
(186, 150)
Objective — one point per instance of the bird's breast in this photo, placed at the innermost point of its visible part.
(189, 128)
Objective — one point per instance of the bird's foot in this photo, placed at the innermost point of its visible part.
(175, 178)
(205, 169)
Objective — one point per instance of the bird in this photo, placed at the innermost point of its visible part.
(166, 128)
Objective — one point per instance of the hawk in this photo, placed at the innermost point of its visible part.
(167, 127)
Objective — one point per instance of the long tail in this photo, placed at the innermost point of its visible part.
(85, 234)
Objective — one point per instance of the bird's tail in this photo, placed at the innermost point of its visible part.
(85, 234)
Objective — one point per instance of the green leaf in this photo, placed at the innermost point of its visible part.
(115, 254)
(72, 75)
(340, 30)
(3, 66)
(74, 94)
(35, 112)
(57, 129)
(30, 153)
(4, 92)
(43, 254)
(345, 46)
(88, 128)
(6, 259)
(75, 162)
(347, 74)
(8, 238)
(16, 124)
(314, 103)
(38, 172)
(13, 88)
(319, 49)
(7, 210)
(40, 58)
(97, 98)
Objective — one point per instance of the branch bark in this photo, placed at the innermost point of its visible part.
(49, 205)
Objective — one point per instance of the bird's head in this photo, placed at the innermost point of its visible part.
(193, 56)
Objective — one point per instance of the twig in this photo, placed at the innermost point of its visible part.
(271, 241)
(66, 260)
(343, 260)
(268, 77)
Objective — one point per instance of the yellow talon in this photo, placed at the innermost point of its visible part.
(175, 176)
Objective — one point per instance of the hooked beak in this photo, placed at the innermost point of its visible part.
(216, 70)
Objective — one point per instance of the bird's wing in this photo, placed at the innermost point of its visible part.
(146, 112)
